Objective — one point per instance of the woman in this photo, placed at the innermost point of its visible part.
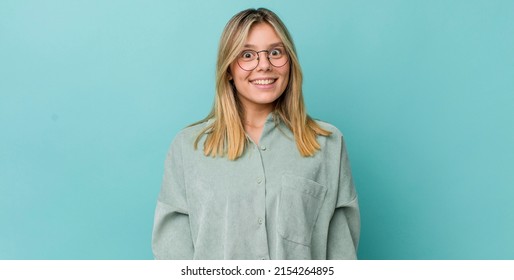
(257, 178)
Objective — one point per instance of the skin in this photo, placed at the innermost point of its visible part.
(258, 99)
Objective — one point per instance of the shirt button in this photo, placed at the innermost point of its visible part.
(259, 180)
(263, 148)
(260, 221)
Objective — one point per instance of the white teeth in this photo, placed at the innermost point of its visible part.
(264, 82)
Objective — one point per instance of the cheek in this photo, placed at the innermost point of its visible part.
(286, 75)
(239, 80)
(238, 74)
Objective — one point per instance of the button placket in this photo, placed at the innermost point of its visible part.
(260, 214)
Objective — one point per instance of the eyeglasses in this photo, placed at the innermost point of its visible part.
(248, 60)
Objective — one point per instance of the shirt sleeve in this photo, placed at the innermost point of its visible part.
(344, 228)
(171, 238)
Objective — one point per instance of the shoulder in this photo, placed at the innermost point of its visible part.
(188, 135)
(195, 129)
(330, 127)
(332, 143)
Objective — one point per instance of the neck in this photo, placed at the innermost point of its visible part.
(256, 118)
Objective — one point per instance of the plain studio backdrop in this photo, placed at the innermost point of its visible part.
(93, 92)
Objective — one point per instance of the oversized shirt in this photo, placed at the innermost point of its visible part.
(270, 203)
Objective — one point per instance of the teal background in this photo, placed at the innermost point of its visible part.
(93, 92)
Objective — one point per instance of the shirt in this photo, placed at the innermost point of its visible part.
(270, 203)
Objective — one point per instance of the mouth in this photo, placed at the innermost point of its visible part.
(263, 82)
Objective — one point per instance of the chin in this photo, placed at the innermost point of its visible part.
(264, 101)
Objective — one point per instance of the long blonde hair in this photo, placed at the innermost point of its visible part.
(226, 134)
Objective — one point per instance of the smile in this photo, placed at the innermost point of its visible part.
(263, 81)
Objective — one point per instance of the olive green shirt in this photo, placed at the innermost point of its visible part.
(271, 203)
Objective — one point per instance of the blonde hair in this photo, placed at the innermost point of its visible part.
(226, 134)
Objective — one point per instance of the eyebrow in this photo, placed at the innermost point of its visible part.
(270, 46)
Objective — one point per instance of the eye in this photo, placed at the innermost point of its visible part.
(248, 55)
(276, 53)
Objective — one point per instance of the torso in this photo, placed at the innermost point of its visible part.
(270, 203)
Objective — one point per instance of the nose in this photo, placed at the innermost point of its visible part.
(263, 61)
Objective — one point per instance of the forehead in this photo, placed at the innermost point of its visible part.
(262, 35)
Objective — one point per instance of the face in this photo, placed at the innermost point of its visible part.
(259, 88)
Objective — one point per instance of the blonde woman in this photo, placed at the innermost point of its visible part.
(257, 178)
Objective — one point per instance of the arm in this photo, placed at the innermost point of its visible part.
(171, 238)
(344, 228)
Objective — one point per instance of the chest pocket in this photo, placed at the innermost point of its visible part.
(299, 205)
